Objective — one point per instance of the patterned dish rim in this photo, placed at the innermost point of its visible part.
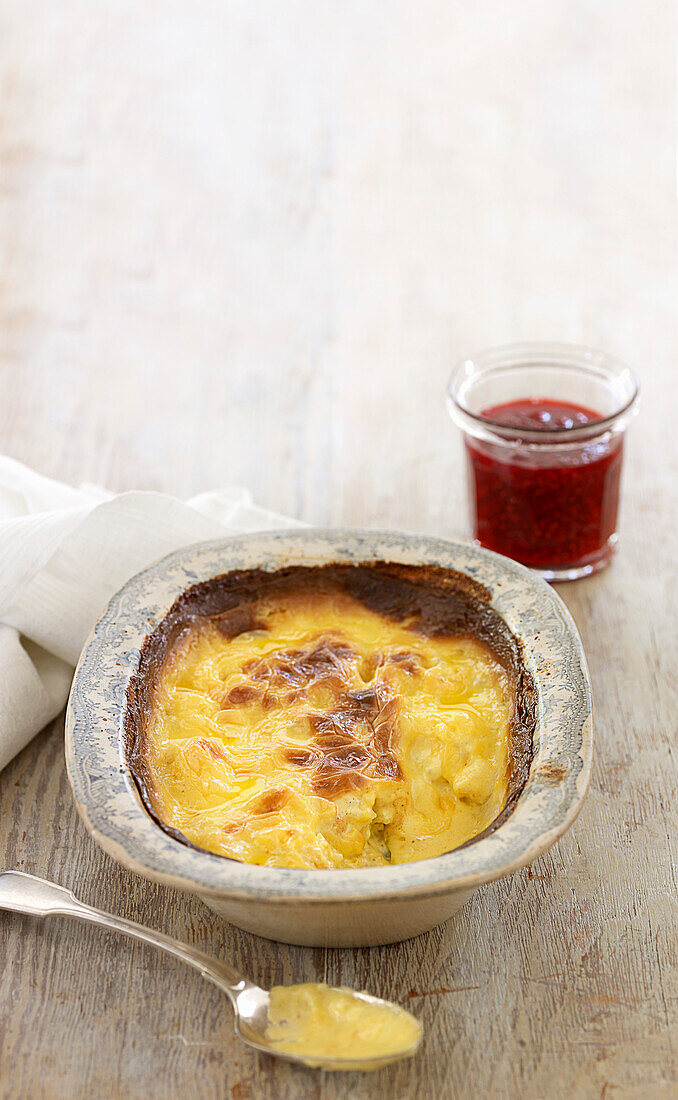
(110, 805)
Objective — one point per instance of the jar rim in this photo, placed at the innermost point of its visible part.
(504, 358)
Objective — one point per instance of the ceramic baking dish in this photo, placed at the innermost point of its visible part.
(330, 907)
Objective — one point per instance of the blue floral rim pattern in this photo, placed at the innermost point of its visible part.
(107, 797)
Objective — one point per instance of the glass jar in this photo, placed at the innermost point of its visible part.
(543, 428)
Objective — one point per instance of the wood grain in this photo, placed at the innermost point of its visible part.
(241, 244)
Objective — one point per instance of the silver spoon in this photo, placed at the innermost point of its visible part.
(22, 893)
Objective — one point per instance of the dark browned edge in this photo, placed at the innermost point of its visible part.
(442, 601)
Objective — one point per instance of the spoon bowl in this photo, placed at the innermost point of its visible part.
(253, 1025)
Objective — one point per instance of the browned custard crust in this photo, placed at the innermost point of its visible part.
(344, 703)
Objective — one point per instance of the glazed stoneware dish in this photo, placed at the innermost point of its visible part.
(331, 904)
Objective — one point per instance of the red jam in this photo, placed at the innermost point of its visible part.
(550, 508)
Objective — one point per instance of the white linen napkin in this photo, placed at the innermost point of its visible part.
(63, 553)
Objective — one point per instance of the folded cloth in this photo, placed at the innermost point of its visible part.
(63, 553)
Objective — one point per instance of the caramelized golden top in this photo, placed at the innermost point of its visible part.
(332, 1027)
(325, 734)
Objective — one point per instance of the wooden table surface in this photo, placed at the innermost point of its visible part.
(242, 244)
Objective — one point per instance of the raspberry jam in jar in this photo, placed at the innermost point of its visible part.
(543, 431)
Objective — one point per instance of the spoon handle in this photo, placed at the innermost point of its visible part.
(22, 893)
